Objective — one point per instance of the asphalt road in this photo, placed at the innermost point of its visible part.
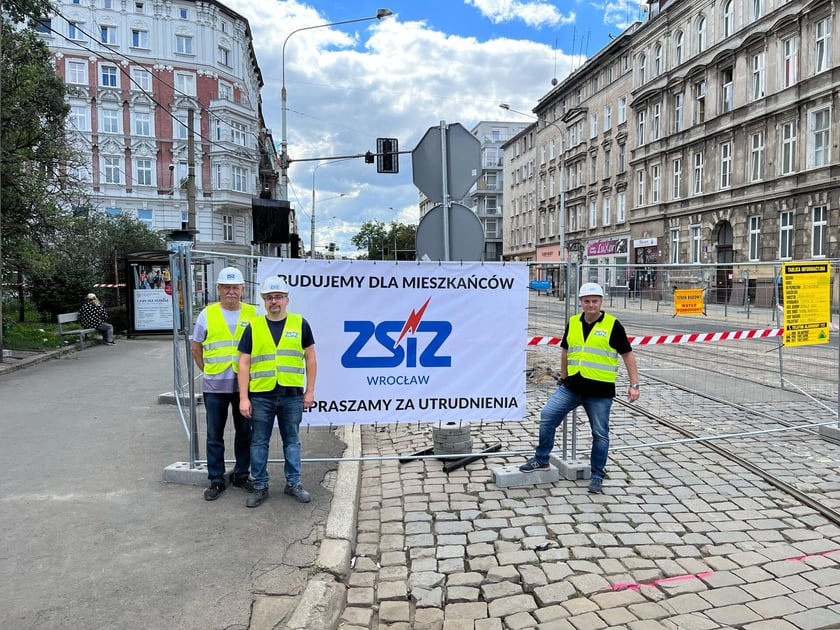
(92, 536)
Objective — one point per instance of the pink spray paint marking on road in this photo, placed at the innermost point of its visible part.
(813, 555)
(635, 586)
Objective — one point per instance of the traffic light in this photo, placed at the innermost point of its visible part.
(368, 158)
(387, 155)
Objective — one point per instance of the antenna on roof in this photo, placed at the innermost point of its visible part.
(588, 33)
(574, 35)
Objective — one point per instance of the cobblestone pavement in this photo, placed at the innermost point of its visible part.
(681, 538)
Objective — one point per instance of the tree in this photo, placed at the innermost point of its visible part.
(394, 242)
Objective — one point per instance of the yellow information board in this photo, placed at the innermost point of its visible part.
(806, 287)
(689, 302)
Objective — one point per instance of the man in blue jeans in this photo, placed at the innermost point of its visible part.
(277, 370)
(214, 349)
(591, 345)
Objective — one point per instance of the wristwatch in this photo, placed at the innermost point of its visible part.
(634, 386)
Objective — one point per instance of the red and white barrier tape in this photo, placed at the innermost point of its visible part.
(109, 286)
(682, 338)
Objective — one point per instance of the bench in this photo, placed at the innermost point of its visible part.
(540, 286)
(70, 318)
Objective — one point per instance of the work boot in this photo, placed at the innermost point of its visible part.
(242, 482)
(256, 498)
(212, 493)
(298, 493)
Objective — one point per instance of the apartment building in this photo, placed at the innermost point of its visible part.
(138, 70)
(702, 135)
(519, 218)
(486, 197)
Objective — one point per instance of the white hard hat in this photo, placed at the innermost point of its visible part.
(590, 288)
(273, 284)
(91, 296)
(230, 275)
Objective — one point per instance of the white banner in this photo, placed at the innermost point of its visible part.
(412, 342)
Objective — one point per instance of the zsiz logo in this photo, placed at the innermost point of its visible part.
(397, 355)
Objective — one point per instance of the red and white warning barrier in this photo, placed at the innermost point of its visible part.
(109, 286)
(682, 338)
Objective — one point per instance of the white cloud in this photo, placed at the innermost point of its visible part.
(350, 84)
(534, 14)
(622, 13)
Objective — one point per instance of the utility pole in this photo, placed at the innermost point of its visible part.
(191, 173)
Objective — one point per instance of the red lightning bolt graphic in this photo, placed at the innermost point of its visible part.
(412, 322)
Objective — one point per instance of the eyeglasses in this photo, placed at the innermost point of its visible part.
(274, 298)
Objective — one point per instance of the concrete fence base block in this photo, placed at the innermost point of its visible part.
(168, 398)
(512, 477)
(572, 469)
(320, 605)
(180, 472)
(830, 432)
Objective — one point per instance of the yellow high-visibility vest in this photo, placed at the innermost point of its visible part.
(219, 350)
(593, 358)
(282, 364)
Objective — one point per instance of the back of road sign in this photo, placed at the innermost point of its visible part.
(463, 160)
(466, 236)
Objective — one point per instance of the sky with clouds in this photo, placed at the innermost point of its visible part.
(433, 61)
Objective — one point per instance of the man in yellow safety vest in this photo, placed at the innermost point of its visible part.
(277, 370)
(214, 348)
(592, 344)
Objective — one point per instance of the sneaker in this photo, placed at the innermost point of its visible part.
(256, 498)
(595, 484)
(110, 343)
(532, 464)
(298, 493)
(242, 482)
(212, 493)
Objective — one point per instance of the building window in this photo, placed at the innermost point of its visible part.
(491, 228)
(622, 158)
(657, 60)
(107, 4)
(593, 126)
(593, 170)
(789, 147)
(239, 133)
(786, 235)
(593, 214)
(113, 212)
(607, 164)
(76, 72)
(183, 13)
(111, 121)
(655, 179)
(758, 76)
(112, 170)
(224, 56)
(141, 79)
(227, 227)
(239, 179)
(622, 109)
(607, 117)
(678, 48)
(621, 207)
(183, 44)
(218, 176)
(142, 124)
(679, 101)
(139, 7)
(79, 118)
(790, 61)
(185, 83)
(756, 9)
(143, 172)
(642, 69)
(656, 123)
(43, 26)
(542, 225)
(552, 224)
(727, 89)
(701, 34)
(757, 157)
(726, 165)
(696, 242)
(75, 31)
(108, 35)
(698, 173)
(819, 232)
(640, 126)
(822, 53)
(728, 19)
(146, 217)
(640, 188)
(676, 179)
(755, 238)
(699, 102)
(108, 76)
(139, 39)
(819, 137)
(675, 246)
(180, 127)
(606, 211)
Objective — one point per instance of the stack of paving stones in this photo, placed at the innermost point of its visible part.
(680, 539)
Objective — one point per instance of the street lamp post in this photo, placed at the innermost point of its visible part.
(284, 155)
(312, 216)
(562, 229)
